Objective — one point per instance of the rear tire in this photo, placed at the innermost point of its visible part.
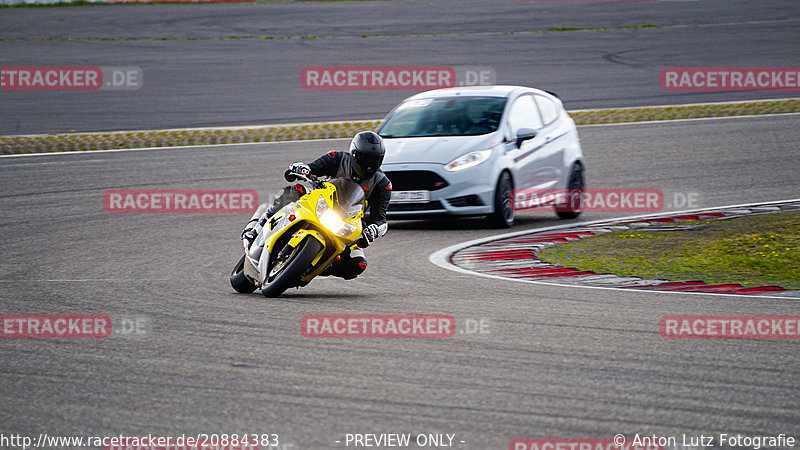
(575, 188)
(503, 215)
(239, 280)
(289, 275)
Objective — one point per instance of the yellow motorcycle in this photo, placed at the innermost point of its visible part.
(302, 239)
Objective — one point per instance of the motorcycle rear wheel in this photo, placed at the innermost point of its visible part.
(239, 281)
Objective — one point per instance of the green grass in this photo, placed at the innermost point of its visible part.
(57, 4)
(272, 133)
(619, 115)
(752, 251)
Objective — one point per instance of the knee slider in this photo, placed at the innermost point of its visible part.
(359, 265)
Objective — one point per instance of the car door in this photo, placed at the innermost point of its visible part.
(551, 155)
(528, 156)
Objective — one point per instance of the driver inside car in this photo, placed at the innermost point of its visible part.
(362, 165)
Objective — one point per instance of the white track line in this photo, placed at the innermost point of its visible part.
(442, 257)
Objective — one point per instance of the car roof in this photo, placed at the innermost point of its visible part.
(477, 91)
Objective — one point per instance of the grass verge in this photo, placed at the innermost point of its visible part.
(752, 251)
(182, 137)
(705, 110)
(328, 130)
(56, 4)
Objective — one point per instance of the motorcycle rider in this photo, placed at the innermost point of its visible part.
(362, 165)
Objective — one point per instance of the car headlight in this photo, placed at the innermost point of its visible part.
(471, 159)
(332, 221)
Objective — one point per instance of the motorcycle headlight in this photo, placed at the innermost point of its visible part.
(471, 159)
(332, 221)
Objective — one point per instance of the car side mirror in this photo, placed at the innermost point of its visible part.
(525, 134)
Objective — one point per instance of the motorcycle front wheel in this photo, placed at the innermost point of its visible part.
(290, 264)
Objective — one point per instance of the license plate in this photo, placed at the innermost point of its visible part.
(410, 197)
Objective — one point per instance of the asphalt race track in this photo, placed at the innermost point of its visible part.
(556, 362)
(207, 65)
(553, 362)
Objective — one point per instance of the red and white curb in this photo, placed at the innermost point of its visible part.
(513, 256)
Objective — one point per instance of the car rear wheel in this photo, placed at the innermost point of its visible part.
(503, 215)
(575, 187)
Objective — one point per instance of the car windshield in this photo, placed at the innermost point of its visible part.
(450, 116)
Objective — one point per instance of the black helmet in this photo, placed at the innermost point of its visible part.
(367, 149)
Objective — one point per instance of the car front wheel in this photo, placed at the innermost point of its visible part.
(503, 215)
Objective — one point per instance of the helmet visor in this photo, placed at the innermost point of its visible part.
(368, 163)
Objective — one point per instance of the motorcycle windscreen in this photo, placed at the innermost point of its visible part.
(349, 197)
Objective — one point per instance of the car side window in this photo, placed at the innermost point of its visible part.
(548, 109)
(523, 114)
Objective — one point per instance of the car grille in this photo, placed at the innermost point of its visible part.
(466, 200)
(430, 206)
(415, 180)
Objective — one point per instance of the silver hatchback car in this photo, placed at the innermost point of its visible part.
(466, 151)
